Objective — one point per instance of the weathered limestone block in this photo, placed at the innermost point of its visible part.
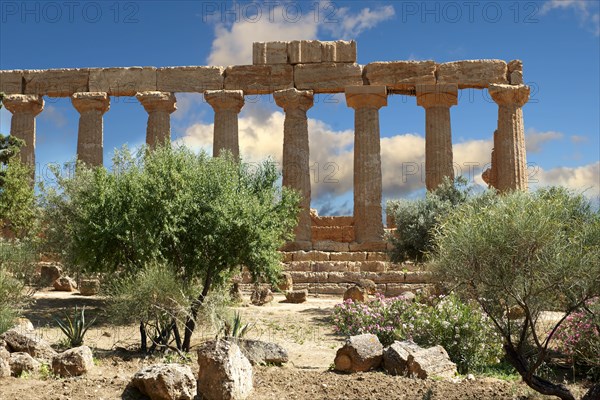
(286, 282)
(330, 221)
(5, 367)
(159, 106)
(189, 79)
(431, 362)
(259, 53)
(56, 82)
(11, 81)
(340, 51)
(397, 289)
(309, 277)
(330, 266)
(361, 353)
(396, 357)
(28, 342)
(296, 296)
(304, 51)
(377, 256)
(259, 352)
(261, 296)
(400, 76)
(477, 74)
(287, 256)
(311, 256)
(515, 72)
(336, 289)
(356, 293)
(344, 277)
(166, 382)
(89, 287)
(73, 362)
(516, 78)
(333, 233)
(327, 77)
(224, 372)
(122, 81)
(515, 65)
(49, 272)
(369, 246)
(259, 79)
(372, 266)
(348, 256)
(417, 277)
(23, 362)
(388, 277)
(276, 53)
(65, 284)
(328, 245)
(300, 266)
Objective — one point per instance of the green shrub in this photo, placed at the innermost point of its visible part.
(462, 329)
(529, 251)
(415, 219)
(11, 298)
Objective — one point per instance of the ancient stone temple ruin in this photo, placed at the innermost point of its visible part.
(327, 249)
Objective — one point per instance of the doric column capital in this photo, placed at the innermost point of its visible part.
(359, 97)
(24, 103)
(157, 101)
(87, 101)
(516, 95)
(220, 100)
(294, 98)
(445, 95)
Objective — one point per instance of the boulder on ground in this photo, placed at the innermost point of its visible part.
(356, 294)
(224, 371)
(28, 342)
(65, 284)
(4, 353)
(408, 359)
(236, 293)
(166, 382)
(261, 296)
(73, 362)
(23, 324)
(261, 353)
(22, 362)
(361, 353)
(286, 282)
(296, 296)
(49, 272)
(4, 367)
(89, 287)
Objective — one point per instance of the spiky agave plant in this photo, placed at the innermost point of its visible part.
(235, 328)
(75, 327)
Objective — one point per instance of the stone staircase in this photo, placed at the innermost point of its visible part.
(331, 272)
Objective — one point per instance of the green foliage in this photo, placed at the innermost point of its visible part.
(415, 219)
(74, 327)
(204, 216)
(534, 252)
(234, 327)
(153, 295)
(18, 208)
(462, 329)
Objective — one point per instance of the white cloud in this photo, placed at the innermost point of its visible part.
(343, 23)
(579, 138)
(586, 10)
(584, 178)
(54, 115)
(535, 140)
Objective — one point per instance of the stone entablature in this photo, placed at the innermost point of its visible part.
(293, 72)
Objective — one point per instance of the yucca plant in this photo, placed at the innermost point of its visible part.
(234, 328)
(74, 327)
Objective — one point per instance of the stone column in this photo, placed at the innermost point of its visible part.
(437, 100)
(366, 101)
(24, 109)
(296, 169)
(227, 105)
(509, 141)
(159, 106)
(91, 107)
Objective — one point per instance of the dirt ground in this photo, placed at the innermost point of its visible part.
(301, 328)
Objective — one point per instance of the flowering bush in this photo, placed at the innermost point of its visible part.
(578, 337)
(463, 330)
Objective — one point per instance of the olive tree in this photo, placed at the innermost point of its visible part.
(204, 217)
(519, 255)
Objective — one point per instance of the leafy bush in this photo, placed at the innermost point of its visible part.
(533, 252)
(415, 219)
(202, 217)
(462, 329)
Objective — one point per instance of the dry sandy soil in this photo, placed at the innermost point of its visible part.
(301, 328)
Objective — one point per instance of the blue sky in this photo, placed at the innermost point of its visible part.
(558, 42)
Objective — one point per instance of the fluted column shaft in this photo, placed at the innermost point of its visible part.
(227, 104)
(366, 101)
(91, 107)
(509, 142)
(296, 168)
(159, 106)
(24, 109)
(437, 100)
